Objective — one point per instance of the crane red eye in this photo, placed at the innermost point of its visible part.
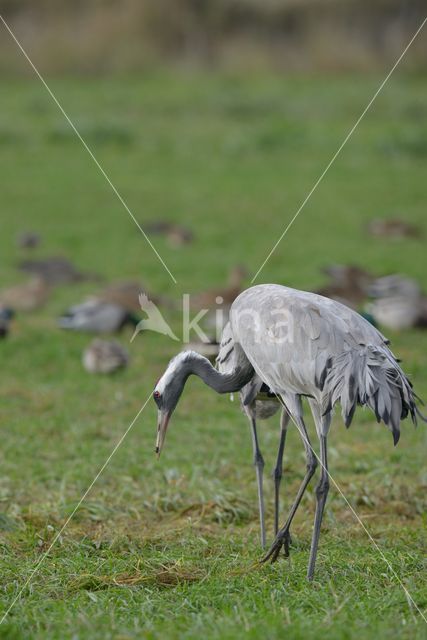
(156, 394)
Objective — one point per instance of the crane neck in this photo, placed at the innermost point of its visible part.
(220, 382)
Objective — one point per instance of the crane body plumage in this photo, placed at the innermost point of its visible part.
(323, 350)
(300, 344)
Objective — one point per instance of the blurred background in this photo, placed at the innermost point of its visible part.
(106, 36)
(213, 119)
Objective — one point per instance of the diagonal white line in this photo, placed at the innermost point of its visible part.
(409, 598)
(62, 529)
(85, 145)
(340, 148)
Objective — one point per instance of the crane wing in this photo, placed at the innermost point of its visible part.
(289, 335)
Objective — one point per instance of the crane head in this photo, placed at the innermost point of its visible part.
(166, 395)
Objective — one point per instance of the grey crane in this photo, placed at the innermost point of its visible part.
(300, 345)
(258, 403)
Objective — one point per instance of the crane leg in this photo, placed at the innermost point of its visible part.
(259, 469)
(321, 495)
(278, 469)
(323, 423)
(282, 537)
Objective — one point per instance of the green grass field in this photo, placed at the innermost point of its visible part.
(168, 549)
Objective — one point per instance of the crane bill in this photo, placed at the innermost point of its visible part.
(162, 427)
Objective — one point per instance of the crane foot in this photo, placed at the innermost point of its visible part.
(283, 539)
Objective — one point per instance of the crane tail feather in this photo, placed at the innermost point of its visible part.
(370, 376)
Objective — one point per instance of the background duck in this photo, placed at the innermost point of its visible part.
(217, 302)
(176, 235)
(6, 316)
(97, 316)
(28, 240)
(124, 293)
(104, 356)
(210, 299)
(127, 293)
(28, 296)
(398, 302)
(393, 228)
(55, 270)
(348, 284)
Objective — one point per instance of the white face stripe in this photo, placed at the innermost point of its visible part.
(168, 375)
(172, 369)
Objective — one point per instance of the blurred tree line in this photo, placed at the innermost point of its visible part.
(103, 36)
